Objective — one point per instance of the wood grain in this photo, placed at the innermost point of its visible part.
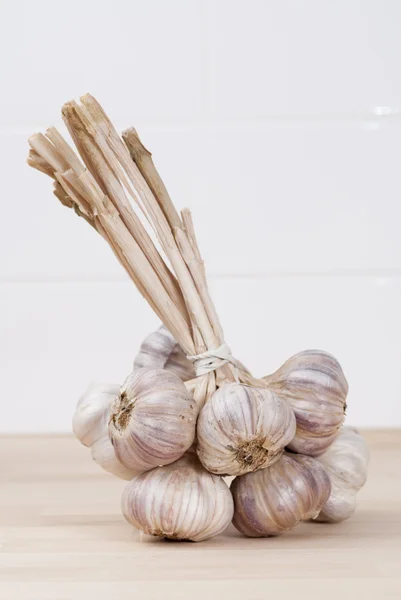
(62, 537)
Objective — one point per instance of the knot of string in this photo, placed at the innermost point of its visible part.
(210, 360)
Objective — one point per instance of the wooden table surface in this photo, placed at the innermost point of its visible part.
(62, 537)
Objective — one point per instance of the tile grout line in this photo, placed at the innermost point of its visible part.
(382, 276)
(238, 123)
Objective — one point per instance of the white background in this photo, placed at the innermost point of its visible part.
(277, 122)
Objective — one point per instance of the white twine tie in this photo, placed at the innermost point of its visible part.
(210, 360)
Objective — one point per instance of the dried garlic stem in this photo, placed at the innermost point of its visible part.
(111, 143)
(143, 160)
(188, 223)
(118, 235)
(186, 241)
(79, 120)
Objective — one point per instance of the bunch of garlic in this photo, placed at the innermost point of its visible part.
(145, 429)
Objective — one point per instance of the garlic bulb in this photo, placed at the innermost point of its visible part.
(103, 454)
(181, 501)
(242, 429)
(152, 422)
(314, 385)
(160, 351)
(346, 462)
(91, 416)
(274, 500)
(90, 426)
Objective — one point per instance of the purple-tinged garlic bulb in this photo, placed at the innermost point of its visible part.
(242, 429)
(271, 501)
(314, 385)
(153, 420)
(180, 501)
(346, 462)
(159, 350)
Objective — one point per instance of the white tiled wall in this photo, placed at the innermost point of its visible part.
(276, 122)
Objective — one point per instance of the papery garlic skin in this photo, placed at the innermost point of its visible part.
(242, 429)
(271, 501)
(346, 462)
(315, 386)
(153, 421)
(159, 350)
(180, 501)
(91, 416)
(103, 454)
